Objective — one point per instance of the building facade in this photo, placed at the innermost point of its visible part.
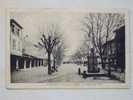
(16, 43)
(120, 45)
(20, 59)
(114, 52)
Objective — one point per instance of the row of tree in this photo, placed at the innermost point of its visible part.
(99, 29)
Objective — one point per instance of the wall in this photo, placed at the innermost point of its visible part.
(58, 94)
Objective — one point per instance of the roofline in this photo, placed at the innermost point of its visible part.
(119, 28)
(13, 21)
(26, 54)
(110, 41)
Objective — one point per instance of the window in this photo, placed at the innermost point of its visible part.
(15, 31)
(14, 44)
(19, 46)
(12, 28)
(18, 32)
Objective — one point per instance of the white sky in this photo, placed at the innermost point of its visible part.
(68, 22)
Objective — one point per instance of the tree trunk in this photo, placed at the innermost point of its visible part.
(88, 63)
(49, 63)
(102, 62)
(109, 71)
(109, 68)
(54, 64)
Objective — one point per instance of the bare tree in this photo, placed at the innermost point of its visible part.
(58, 55)
(49, 40)
(99, 28)
(77, 57)
(80, 55)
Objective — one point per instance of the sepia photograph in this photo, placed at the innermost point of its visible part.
(61, 48)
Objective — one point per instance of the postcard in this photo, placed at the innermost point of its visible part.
(67, 48)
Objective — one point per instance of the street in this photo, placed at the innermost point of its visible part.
(66, 73)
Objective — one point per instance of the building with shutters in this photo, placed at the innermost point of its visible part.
(21, 58)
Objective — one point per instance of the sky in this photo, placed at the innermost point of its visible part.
(69, 24)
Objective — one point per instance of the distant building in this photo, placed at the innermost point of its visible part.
(20, 58)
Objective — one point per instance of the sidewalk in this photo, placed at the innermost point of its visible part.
(119, 76)
(33, 75)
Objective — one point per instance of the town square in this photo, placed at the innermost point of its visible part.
(56, 46)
